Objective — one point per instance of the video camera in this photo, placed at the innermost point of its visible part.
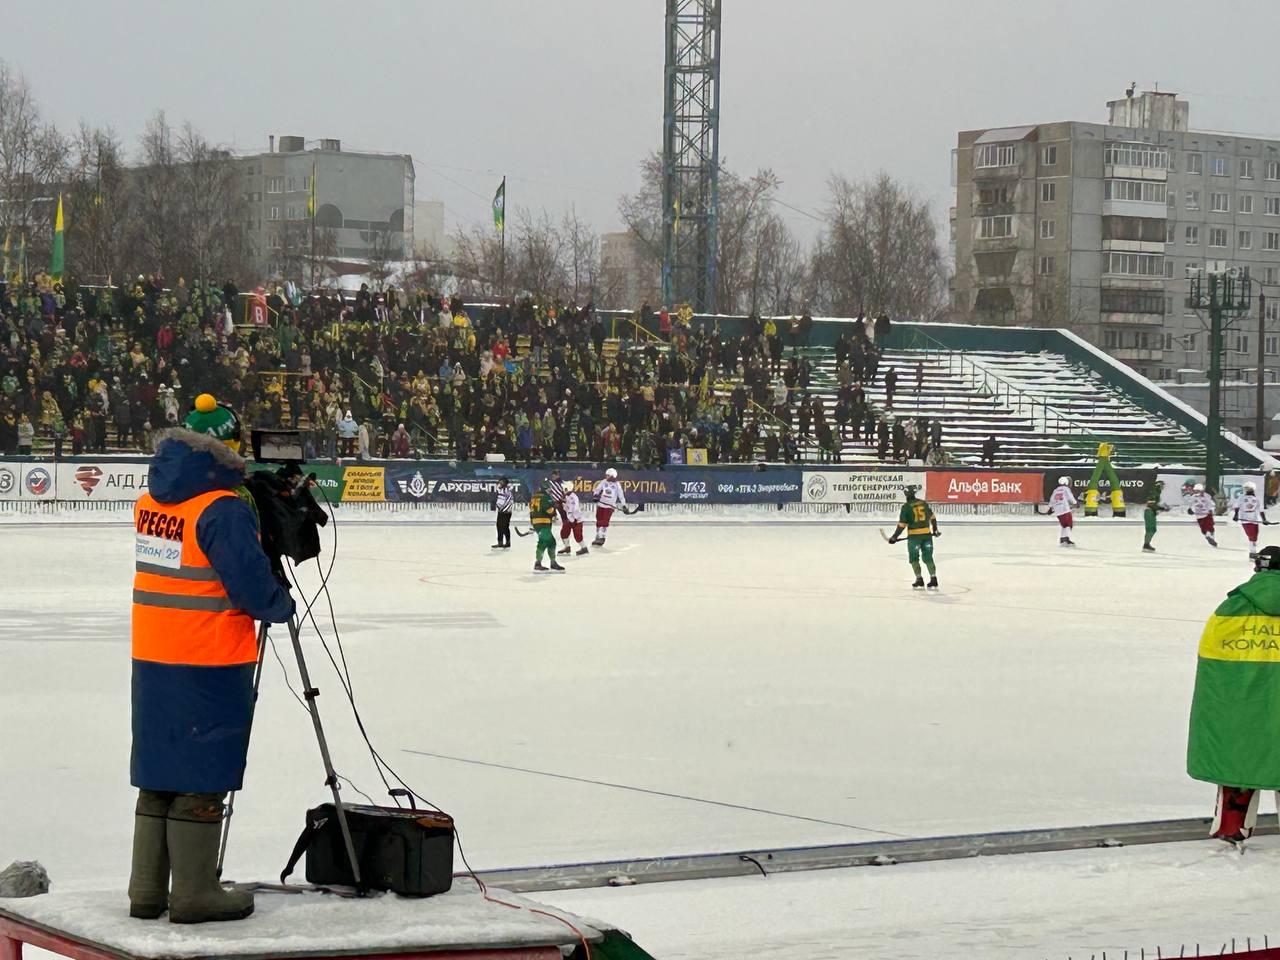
(289, 515)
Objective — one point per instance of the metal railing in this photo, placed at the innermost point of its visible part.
(1044, 417)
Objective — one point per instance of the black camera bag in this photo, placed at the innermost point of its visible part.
(409, 852)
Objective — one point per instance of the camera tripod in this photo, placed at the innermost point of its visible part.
(309, 695)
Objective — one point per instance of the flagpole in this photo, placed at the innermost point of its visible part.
(312, 205)
(502, 244)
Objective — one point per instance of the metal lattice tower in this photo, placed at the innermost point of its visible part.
(691, 153)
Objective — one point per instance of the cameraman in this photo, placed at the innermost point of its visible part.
(201, 581)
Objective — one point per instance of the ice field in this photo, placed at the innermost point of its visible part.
(640, 703)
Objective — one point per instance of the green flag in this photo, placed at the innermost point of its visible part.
(58, 259)
(500, 207)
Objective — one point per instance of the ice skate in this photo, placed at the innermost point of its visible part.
(583, 551)
(1148, 548)
(919, 584)
(538, 566)
(1212, 542)
(496, 546)
(564, 551)
(556, 566)
(1066, 542)
(598, 542)
(933, 583)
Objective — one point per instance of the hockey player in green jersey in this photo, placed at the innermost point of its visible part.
(916, 519)
(542, 514)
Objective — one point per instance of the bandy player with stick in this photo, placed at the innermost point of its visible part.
(1202, 507)
(1060, 503)
(608, 496)
(571, 511)
(1249, 514)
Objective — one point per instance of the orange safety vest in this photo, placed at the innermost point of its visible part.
(181, 611)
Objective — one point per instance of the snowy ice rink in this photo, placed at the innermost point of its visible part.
(647, 696)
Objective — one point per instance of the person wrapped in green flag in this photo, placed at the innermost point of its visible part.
(1234, 738)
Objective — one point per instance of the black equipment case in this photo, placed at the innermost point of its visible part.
(409, 852)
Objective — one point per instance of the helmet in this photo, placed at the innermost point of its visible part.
(1198, 488)
(1249, 487)
(909, 491)
(1064, 481)
(1268, 558)
(611, 474)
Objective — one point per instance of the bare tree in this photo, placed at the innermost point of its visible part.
(747, 224)
(878, 252)
(213, 208)
(582, 249)
(33, 161)
(157, 227)
(97, 205)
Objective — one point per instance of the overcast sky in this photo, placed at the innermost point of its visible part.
(565, 96)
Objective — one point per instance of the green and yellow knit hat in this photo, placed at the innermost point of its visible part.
(215, 419)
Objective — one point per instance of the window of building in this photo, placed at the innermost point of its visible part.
(1136, 155)
(1170, 230)
(275, 214)
(1190, 343)
(275, 184)
(995, 155)
(1192, 235)
(1049, 155)
(1246, 168)
(1192, 268)
(1273, 312)
(1110, 339)
(1046, 266)
(1220, 202)
(1244, 203)
(1048, 191)
(1273, 169)
(1217, 236)
(1271, 206)
(1219, 167)
(1269, 275)
(988, 196)
(1270, 344)
(1271, 241)
(277, 241)
(992, 228)
(1134, 264)
(1173, 199)
(1168, 341)
(1244, 239)
(1048, 229)
(1168, 306)
(1148, 191)
(1132, 301)
(1045, 302)
(1242, 343)
(1168, 268)
(1193, 199)
(1195, 163)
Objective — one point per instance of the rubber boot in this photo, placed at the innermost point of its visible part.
(149, 877)
(194, 830)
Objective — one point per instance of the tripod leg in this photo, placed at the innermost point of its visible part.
(310, 694)
(231, 800)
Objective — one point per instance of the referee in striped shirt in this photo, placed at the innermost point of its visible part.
(503, 501)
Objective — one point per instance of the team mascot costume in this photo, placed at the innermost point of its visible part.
(1091, 496)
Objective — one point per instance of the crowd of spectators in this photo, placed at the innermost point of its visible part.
(414, 374)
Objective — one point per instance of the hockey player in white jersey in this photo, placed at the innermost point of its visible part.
(609, 497)
(1201, 506)
(571, 510)
(1060, 503)
(1249, 514)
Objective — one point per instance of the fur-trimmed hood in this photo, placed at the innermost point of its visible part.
(187, 464)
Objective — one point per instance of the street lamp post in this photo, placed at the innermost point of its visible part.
(1225, 295)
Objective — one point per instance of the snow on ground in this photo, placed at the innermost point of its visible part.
(783, 667)
(1080, 904)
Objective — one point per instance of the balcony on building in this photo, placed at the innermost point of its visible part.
(1135, 161)
(1129, 306)
(1129, 354)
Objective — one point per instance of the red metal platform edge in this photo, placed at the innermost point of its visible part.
(14, 934)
